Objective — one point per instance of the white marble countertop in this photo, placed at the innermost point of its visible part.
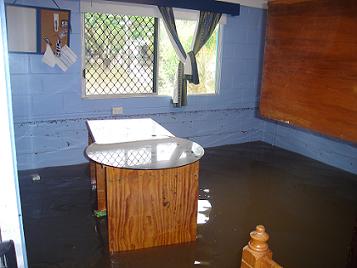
(160, 153)
(125, 130)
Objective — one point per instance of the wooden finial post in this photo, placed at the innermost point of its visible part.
(258, 240)
(257, 253)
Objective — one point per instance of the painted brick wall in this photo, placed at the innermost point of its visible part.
(327, 150)
(50, 114)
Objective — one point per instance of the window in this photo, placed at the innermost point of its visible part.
(132, 55)
(120, 54)
(206, 59)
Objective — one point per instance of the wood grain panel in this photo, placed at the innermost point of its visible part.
(97, 176)
(91, 164)
(148, 208)
(310, 66)
(101, 187)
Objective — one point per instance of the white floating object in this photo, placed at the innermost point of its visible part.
(36, 177)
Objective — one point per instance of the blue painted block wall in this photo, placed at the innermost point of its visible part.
(330, 151)
(50, 114)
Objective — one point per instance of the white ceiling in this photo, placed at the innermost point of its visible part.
(249, 3)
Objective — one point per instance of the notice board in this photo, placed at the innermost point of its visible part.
(310, 66)
(48, 29)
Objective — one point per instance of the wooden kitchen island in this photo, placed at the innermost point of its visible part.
(150, 184)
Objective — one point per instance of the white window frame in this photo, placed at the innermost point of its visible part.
(142, 10)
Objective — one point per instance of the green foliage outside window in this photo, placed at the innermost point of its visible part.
(168, 61)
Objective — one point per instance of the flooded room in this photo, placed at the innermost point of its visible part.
(178, 133)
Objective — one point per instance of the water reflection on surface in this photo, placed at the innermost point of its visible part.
(202, 263)
(204, 209)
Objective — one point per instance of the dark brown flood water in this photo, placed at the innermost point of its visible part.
(308, 208)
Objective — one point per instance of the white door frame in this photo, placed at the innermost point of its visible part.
(10, 207)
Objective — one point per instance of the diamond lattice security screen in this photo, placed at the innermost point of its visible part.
(120, 54)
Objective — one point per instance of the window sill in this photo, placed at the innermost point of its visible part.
(203, 95)
(118, 96)
(123, 96)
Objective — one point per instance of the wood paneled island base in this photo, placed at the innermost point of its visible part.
(146, 180)
(148, 208)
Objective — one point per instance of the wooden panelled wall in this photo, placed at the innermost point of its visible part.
(310, 66)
